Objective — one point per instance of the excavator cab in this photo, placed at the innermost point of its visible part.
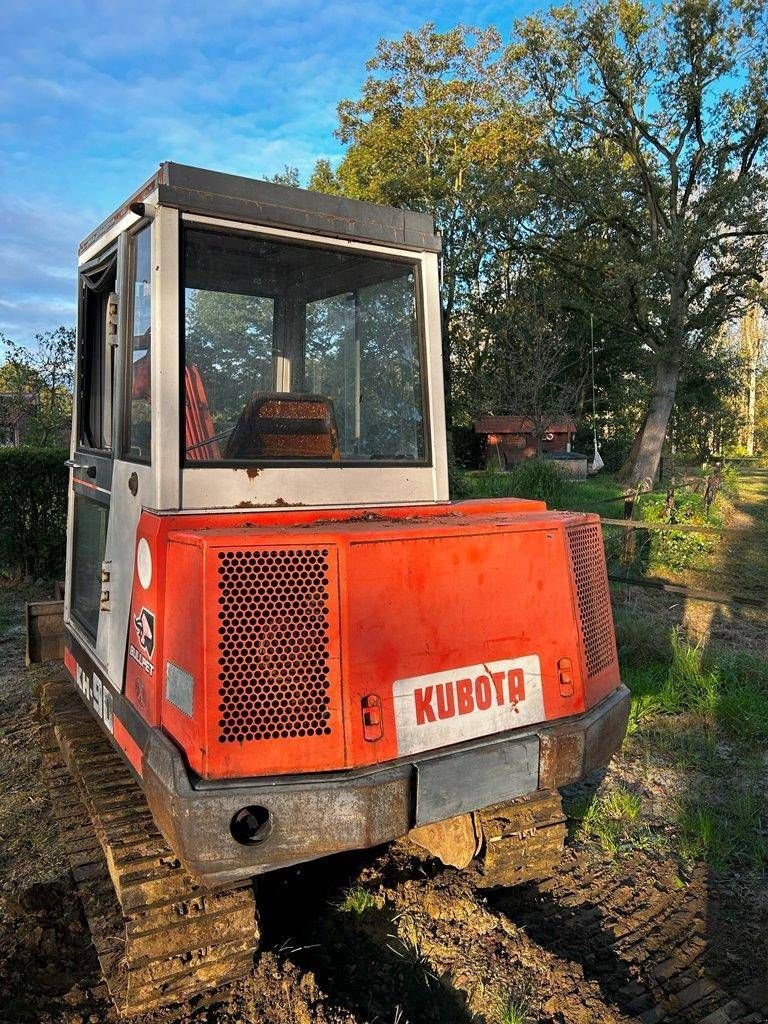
(287, 638)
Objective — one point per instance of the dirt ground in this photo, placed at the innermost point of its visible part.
(626, 930)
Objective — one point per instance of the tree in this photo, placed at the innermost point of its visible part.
(434, 123)
(324, 179)
(37, 384)
(648, 192)
(761, 413)
(752, 333)
(518, 349)
(288, 176)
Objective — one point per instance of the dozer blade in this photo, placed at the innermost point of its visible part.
(509, 843)
(161, 938)
(45, 631)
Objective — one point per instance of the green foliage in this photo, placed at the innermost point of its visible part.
(679, 550)
(725, 828)
(356, 901)
(466, 447)
(726, 689)
(540, 480)
(612, 821)
(532, 479)
(36, 384)
(288, 176)
(761, 413)
(513, 1010)
(648, 189)
(33, 496)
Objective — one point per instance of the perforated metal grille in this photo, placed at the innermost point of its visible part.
(274, 671)
(593, 596)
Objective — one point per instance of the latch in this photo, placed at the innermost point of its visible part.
(106, 581)
(111, 324)
(373, 727)
(565, 676)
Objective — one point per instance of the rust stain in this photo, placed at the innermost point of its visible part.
(277, 503)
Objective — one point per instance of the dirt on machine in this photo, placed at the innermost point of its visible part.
(280, 638)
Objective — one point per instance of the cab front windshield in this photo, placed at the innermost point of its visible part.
(296, 352)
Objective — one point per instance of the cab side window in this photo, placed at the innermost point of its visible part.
(139, 340)
(97, 316)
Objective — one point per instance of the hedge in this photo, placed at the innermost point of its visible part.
(33, 511)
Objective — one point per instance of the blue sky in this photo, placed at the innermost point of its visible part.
(93, 96)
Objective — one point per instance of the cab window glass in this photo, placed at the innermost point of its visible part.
(95, 353)
(299, 352)
(88, 548)
(139, 336)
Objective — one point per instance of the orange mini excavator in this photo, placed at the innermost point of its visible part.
(283, 640)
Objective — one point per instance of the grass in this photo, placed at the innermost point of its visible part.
(513, 1010)
(541, 481)
(356, 901)
(612, 821)
(726, 829)
(726, 689)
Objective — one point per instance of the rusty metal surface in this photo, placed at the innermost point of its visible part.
(561, 757)
(454, 841)
(522, 839)
(45, 632)
(311, 817)
(605, 733)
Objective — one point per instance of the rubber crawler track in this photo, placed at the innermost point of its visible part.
(522, 840)
(161, 938)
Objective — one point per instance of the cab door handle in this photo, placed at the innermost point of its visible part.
(89, 468)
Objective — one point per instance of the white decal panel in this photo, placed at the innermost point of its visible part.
(98, 695)
(442, 708)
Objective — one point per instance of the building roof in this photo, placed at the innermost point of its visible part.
(522, 425)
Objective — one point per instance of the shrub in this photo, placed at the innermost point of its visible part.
(33, 497)
(679, 550)
(535, 478)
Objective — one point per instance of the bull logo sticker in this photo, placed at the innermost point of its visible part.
(145, 630)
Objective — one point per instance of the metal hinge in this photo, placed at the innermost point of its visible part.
(112, 307)
(106, 582)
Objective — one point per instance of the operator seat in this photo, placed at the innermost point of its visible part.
(285, 426)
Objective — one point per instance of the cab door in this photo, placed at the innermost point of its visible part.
(111, 460)
(91, 460)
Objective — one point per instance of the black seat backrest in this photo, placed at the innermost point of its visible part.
(280, 425)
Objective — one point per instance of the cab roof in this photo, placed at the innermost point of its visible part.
(230, 196)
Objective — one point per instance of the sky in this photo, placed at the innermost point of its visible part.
(94, 96)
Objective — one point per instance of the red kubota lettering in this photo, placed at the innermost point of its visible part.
(446, 706)
(423, 701)
(516, 685)
(464, 696)
(483, 693)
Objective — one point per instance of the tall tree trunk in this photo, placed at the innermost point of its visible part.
(643, 464)
(751, 403)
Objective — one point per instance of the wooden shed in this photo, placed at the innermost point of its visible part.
(507, 440)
